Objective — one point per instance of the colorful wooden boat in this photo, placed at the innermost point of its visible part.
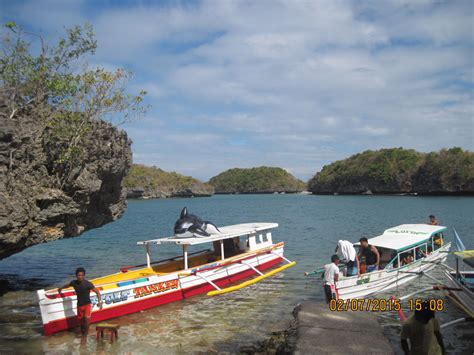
(238, 252)
(424, 243)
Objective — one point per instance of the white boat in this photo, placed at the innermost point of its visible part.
(394, 244)
(239, 251)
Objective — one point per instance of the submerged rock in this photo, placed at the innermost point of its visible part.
(34, 207)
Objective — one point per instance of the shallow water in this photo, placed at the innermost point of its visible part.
(310, 226)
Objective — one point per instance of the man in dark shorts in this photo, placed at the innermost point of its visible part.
(82, 287)
(330, 277)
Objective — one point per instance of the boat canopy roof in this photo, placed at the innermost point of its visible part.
(405, 236)
(227, 232)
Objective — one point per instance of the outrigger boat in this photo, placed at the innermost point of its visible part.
(239, 251)
(459, 286)
(423, 243)
(461, 282)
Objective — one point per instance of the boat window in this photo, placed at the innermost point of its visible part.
(265, 237)
(394, 260)
(386, 255)
(407, 257)
(421, 251)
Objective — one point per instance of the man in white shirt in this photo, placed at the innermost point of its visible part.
(346, 251)
(331, 276)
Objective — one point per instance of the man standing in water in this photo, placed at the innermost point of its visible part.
(433, 220)
(82, 287)
(331, 276)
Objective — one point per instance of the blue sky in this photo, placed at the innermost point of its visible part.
(295, 84)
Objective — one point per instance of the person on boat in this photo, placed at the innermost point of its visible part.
(331, 276)
(347, 252)
(407, 259)
(433, 220)
(83, 287)
(420, 253)
(371, 254)
(422, 330)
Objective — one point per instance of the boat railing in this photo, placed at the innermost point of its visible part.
(178, 257)
(235, 260)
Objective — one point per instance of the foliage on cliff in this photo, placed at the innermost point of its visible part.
(61, 164)
(256, 180)
(52, 83)
(398, 170)
(152, 182)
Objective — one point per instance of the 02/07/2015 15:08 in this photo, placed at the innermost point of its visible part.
(382, 305)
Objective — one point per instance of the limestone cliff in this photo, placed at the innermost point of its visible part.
(34, 207)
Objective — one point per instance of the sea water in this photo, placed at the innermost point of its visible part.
(309, 225)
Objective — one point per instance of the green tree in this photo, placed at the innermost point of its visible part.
(55, 86)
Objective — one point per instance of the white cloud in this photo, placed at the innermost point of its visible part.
(289, 83)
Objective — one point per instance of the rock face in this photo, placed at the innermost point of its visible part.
(34, 208)
(145, 182)
(398, 171)
(261, 180)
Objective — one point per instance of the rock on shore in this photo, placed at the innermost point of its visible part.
(34, 208)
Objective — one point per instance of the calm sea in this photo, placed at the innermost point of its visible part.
(309, 225)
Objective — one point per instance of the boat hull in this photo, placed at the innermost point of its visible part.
(384, 280)
(60, 313)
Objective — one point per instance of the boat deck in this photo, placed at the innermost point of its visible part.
(128, 276)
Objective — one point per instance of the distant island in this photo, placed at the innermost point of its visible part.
(256, 180)
(398, 171)
(143, 182)
(384, 171)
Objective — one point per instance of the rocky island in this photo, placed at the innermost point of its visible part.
(264, 180)
(398, 171)
(145, 182)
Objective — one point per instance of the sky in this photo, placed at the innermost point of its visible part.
(294, 84)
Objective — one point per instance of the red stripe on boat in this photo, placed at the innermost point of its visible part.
(133, 307)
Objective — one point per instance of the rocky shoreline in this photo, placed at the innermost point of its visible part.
(145, 193)
(281, 341)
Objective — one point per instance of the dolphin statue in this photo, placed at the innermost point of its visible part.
(189, 225)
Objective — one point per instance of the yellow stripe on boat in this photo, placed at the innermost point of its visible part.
(251, 282)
